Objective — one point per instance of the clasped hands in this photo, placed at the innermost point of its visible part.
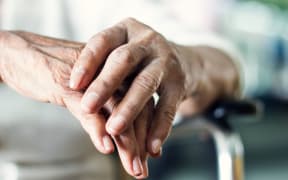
(108, 84)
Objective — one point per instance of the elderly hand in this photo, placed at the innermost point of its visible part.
(132, 50)
(40, 67)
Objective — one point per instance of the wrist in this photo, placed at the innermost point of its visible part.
(192, 67)
(209, 74)
(220, 75)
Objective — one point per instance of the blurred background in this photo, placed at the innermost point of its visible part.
(258, 29)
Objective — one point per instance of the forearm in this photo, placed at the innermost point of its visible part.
(36, 66)
(210, 74)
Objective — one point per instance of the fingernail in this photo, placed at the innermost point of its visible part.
(72, 84)
(137, 166)
(156, 145)
(80, 70)
(76, 80)
(89, 101)
(107, 143)
(145, 172)
(116, 124)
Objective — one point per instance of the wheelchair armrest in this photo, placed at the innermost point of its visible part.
(221, 111)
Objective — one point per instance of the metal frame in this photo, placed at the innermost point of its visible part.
(228, 145)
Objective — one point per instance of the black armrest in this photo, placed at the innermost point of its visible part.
(221, 111)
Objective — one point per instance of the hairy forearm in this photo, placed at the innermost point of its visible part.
(210, 74)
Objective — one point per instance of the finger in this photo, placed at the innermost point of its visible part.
(163, 120)
(119, 64)
(93, 124)
(141, 127)
(141, 90)
(129, 152)
(94, 54)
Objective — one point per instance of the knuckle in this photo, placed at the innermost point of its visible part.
(150, 34)
(130, 20)
(178, 81)
(168, 114)
(170, 59)
(148, 82)
(129, 109)
(143, 51)
(101, 38)
(105, 83)
(89, 50)
(123, 56)
(169, 117)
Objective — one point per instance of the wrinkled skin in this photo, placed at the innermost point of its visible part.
(39, 67)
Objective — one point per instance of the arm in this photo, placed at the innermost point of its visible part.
(211, 75)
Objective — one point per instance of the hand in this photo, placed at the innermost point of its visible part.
(131, 50)
(39, 67)
(189, 76)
